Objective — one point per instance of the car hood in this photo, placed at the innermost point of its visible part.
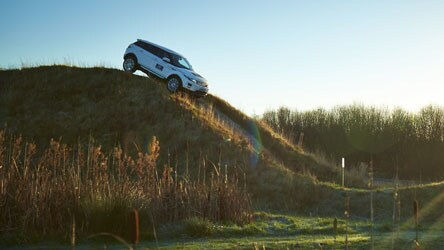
(192, 74)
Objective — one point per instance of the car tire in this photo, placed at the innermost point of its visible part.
(130, 64)
(173, 84)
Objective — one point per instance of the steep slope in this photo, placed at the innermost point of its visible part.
(111, 106)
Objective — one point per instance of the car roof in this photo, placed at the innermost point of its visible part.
(168, 50)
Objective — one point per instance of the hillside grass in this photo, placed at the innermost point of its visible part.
(197, 136)
(115, 108)
(112, 106)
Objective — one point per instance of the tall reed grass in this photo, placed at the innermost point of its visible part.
(41, 191)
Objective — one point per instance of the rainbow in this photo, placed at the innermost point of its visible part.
(255, 140)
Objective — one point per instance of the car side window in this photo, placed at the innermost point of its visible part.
(158, 52)
(153, 50)
(147, 47)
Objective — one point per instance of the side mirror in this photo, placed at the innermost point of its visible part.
(166, 59)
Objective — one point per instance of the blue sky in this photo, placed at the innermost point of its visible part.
(257, 55)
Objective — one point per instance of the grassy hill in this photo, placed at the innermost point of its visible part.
(108, 107)
(114, 107)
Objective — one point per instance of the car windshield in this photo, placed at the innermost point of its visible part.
(179, 61)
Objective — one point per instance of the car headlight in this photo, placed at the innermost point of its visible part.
(191, 79)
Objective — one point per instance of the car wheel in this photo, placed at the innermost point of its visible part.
(130, 64)
(173, 84)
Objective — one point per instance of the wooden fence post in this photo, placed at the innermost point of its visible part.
(134, 226)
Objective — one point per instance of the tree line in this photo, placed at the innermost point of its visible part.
(411, 144)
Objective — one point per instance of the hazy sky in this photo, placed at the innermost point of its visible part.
(257, 55)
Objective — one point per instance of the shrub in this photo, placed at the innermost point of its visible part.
(358, 132)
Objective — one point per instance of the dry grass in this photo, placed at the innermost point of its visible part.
(208, 151)
(72, 103)
(53, 101)
(259, 138)
(42, 192)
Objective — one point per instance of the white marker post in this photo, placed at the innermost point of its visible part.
(343, 171)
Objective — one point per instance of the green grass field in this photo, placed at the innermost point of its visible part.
(277, 231)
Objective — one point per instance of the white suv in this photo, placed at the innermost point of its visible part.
(156, 60)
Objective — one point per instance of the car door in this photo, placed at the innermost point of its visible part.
(160, 66)
(147, 57)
